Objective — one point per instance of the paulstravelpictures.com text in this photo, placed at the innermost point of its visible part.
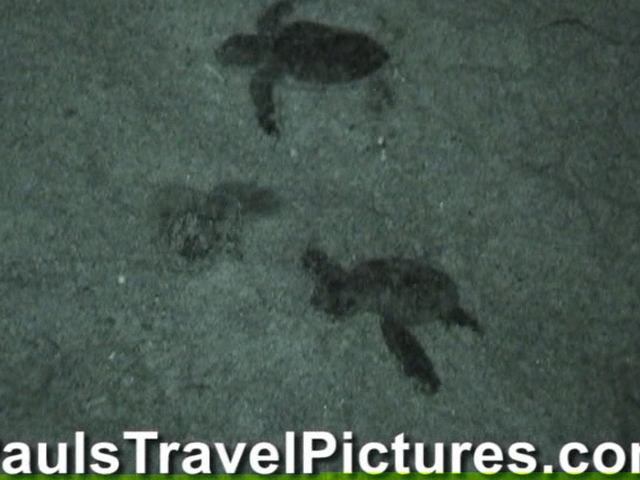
(305, 453)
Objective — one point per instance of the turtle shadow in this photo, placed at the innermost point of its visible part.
(195, 225)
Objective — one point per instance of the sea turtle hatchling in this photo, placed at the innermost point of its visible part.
(307, 51)
(402, 292)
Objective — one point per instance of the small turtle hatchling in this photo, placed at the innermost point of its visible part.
(307, 51)
(402, 292)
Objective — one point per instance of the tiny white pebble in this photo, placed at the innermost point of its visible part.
(121, 279)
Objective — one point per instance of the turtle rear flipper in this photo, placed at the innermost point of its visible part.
(458, 316)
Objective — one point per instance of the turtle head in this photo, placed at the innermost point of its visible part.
(242, 49)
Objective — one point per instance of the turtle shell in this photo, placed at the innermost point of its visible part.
(317, 53)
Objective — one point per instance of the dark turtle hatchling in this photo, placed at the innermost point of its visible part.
(401, 291)
(306, 51)
(409, 290)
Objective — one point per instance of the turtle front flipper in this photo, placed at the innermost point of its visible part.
(261, 90)
(271, 18)
(407, 349)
